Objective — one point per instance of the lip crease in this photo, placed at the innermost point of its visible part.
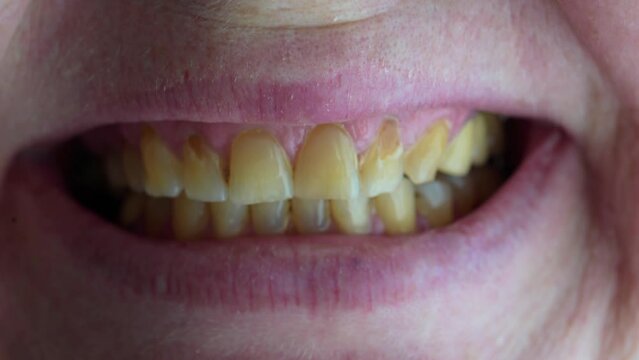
(313, 273)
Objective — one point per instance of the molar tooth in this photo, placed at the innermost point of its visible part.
(260, 169)
(381, 168)
(397, 209)
(311, 216)
(423, 158)
(202, 172)
(114, 169)
(133, 168)
(464, 194)
(132, 208)
(494, 133)
(352, 216)
(458, 156)
(229, 219)
(190, 218)
(162, 168)
(435, 203)
(157, 212)
(270, 218)
(481, 150)
(326, 166)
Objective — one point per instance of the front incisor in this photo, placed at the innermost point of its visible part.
(133, 168)
(326, 165)
(481, 150)
(397, 209)
(434, 202)
(422, 160)
(259, 169)
(352, 216)
(162, 168)
(228, 219)
(270, 218)
(310, 216)
(381, 168)
(458, 156)
(202, 172)
(190, 218)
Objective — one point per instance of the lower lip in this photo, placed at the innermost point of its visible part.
(313, 273)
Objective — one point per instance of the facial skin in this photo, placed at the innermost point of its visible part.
(566, 287)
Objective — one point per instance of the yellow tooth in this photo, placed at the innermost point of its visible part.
(435, 203)
(326, 166)
(190, 218)
(464, 194)
(480, 140)
(260, 169)
(131, 209)
(114, 169)
(352, 216)
(397, 209)
(311, 216)
(487, 180)
(423, 158)
(229, 219)
(459, 154)
(202, 172)
(162, 168)
(381, 168)
(157, 212)
(270, 218)
(494, 134)
(133, 168)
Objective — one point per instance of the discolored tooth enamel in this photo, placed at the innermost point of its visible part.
(422, 159)
(190, 218)
(132, 208)
(157, 214)
(114, 169)
(229, 219)
(458, 156)
(270, 218)
(310, 216)
(202, 172)
(162, 168)
(352, 216)
(495, 134)
(259, 169)
(326, 165)
(133, 168)
(382, 168)
(434, 202)
(487, 180)
(397, 209)
(481, 151)
(464, 194)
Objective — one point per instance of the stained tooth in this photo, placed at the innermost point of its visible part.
(270, 218)
(190, 218)
(495, 134)
(157, 213)
(381, 168)
(229, 219)
(480, 140)
(458, 155)
(464, 194)
(131, 209)
(260, 169)
(326, 166)
(133, 168)
(487, 181)
(310, 216)
(352, 216)
(114, 169)
(162, 168)
(423, 158)
(397, 209)
(435, 203)
(202, 172)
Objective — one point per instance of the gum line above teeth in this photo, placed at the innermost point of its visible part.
(330, 188)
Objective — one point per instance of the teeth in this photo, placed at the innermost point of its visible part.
(381, 168)
(132, 208)
(458, 156)
(202, 172)
(435, 203)
(464, 194)
(270, 218)
(326, 166)
(352, 216)
(133, 168)
(495, 134)
(229, 219)
(162, 168)
(397, 209)
(311, 216)
(423, 158)
(114, 169)
(481, 152)
(260, 170)
(190, 218)
(157, 212)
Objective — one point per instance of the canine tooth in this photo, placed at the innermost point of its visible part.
(481, 151)
(435, 203)
(310, 216)
(397, 209)
(464, 194)
(202, 172)
(162, 168)
(157, 212)
(326, 165)
(190, 217)
(270, 218)
(458, 155)
(229, 219)
(132, 208)
(487, 180)
(259, 169)
(423, 158)
(381, 168)
(133, 168)
(495, 134)
(352, 216)
(114, 169)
